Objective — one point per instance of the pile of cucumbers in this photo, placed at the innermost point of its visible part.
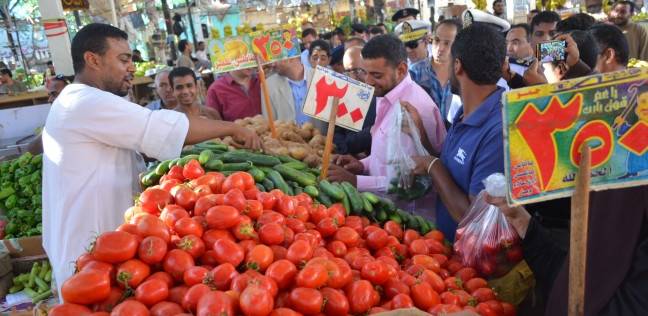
(292, 177)
(37, 283)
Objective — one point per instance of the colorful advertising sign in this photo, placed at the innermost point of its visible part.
(545, 126)
(354, 98)
(238, 52)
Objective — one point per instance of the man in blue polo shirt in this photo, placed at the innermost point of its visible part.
(473, 148)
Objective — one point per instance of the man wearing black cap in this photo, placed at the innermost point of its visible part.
(403, 15)
(637, 35)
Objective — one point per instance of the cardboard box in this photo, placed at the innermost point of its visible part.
(25, 247)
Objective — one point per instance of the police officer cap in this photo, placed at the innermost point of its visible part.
(412, 30)
(403, 13)
(471, 16)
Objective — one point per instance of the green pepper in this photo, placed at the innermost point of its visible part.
(11, 201)
(11, 228)
(37, 160)
(6, 192)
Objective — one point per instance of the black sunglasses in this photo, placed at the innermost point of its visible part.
(412, 44)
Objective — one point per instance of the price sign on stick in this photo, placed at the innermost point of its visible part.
(354, 98)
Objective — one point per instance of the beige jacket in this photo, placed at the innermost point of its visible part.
(281, 98)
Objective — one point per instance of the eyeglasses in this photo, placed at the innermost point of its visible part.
(355, 72)
(412, 44)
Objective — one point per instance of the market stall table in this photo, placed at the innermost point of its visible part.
(23, 99)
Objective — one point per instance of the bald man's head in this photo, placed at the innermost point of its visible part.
(352, 62)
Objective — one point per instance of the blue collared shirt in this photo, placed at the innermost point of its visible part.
(299, 90)
(424, 75)
(305, 58)
(473, 150)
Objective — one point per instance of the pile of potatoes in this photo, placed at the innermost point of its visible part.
(305, 143)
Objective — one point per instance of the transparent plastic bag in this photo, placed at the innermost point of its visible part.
(403, 136)
(484, 239)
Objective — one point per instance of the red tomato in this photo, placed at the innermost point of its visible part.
(256, 301)
(410, 235)
(152, 292)
(202, 191)
(286, 205)
(306, 300)
(337, 248)
(376, 272)
(327, 226)
(465, 274)
(227, 251)
(166, 309)
(424, 296)
(317, 213)
(253, 209)
(222, 217)
(68, 309)
(109, 303)
(418, 247)
(194, 275)
(361, 296)
(336, 302)
(130, 308)
(402, 301)
(444, 309)
(259, 258)
(279, 252)
(185, 196)
(205, 203)
(267, 200)
(172, 213)
(169, 184)
(474, 284)
(234, 181)
(213, 179)
(153, 200)
(193, 295)
(355, 223)
(245, 231)
(175, 172)
(450, 298)
(283, 311)
(115, 247)
(192, 170)
(188, 226)
(251, 194)
(377, 239)
(453, 283)
(312, 276)
(212, 235)
(426, 262)
(221, 277)
(299, 251)
(394, 286)
(192, 244)
(215, 303)
(162, 276)
(508, 309)
(176, 262)
(484, 294)
(149, 225)
(132, 272)
(348, 236)
(177, 294)
(271, 234)
(435, 281)
(338, 212)
(485, 310)
(436, 235)
(270, 217)
(514, 254)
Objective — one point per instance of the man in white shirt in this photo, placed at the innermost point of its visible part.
(91, 141)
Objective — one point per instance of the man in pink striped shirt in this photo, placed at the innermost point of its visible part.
(385, 62)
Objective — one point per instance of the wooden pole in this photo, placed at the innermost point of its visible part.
(578, 235)
(268, 105)
(328, 147)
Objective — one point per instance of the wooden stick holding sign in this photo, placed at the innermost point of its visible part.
(268, 105)
(328, 146)
(578, 235)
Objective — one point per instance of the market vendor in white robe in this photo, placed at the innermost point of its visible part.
(92, 140)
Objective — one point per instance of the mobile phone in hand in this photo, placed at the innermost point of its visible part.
(552, 51)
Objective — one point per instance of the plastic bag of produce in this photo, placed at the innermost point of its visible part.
(484, 239)
(403, 142)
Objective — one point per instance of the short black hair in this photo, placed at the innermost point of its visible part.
(534, 11)
(388, 47)
(321, 45)
(578, 21)
(481, 49)
(357, 41)
(452, 22)
(182, 45)
(611, 36)
(358, 28)
(525, 27)
(309, 31)
(327, 36)
(93, 38)
(587, 47)
(49, 62)
(338, 31)
(5, 71)
(625, 2)
(496, 2)
(381, 24)
(179, 72)
(337, 55)
(544, 17)
(376, 30)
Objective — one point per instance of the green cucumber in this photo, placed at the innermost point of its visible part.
(214, 165)
(367, 206)
(332, 191)
(394, 217)
(311, 190)
(381, 216)
(286, 159)
(279, 182)
(347, 205)
(257, 174)
(256, 159)
(424, 227)
(324, 199)
(372, 198)
(302, 178)
(205, 156)
(237, 166)
(212, 146)
(297, 165)
(269, 185)
(260, 187)
(173, 162)
(184, 160)
(357, 204)
(163, 167)
(150, 179)
(297, 189)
